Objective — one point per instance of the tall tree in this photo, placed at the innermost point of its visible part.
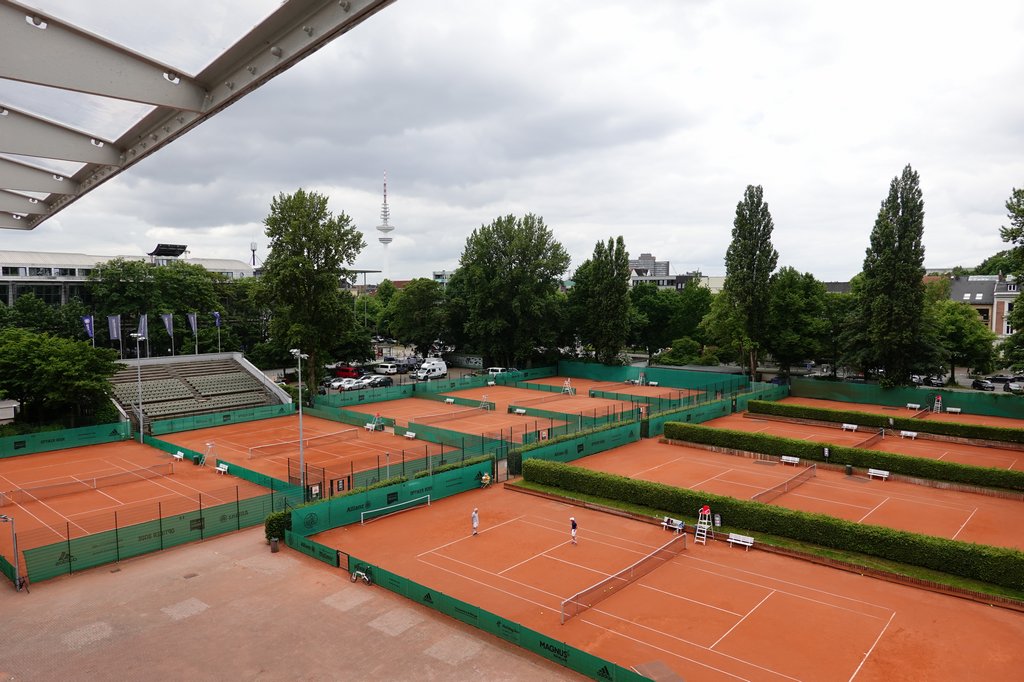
(749, 263)
(417, 313)
(655, 308)
(797, 325)
(309, 249)
(694, 303)
(889, 322)
(966, 339)
(599, 300)
(505, 293)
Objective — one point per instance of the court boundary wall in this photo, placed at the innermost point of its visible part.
(525, 638)
(569, 449)
(62, 439)
(203, 421)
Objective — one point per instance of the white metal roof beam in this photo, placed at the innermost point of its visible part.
(41, 49)
(21, 176)
(29, 135)
(12, 221)
(18, 203)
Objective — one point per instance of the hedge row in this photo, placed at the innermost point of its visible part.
(933, 469)
(977, 431)
(995, 565)
(515, 456)
(454, 465)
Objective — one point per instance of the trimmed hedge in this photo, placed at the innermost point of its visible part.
(933, 469)
(995, 565)
(514, 461)
(996, 433)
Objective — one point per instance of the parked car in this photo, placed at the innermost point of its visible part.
(1000, 378)
(983, 385)
(935, 381)
(341, 383)
(379, 381)
(1013, 387)
(343, 371)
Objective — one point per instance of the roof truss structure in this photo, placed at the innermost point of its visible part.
(41, 50)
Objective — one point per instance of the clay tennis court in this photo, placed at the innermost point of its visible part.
(361, 450)
(584, 386)
(922, 446)
(578, 404)
(902, 411)
(969, 517)
(711, 613)
(133, 496)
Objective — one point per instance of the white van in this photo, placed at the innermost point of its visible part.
(432, 368)
(387, 368)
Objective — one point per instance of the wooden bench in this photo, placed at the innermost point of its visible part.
(411, 435)
(737, 539)
(449, 401)
(913, 406)
(878, 473)
(953, 410)
(519, 410)
(849, 427)
(179, 455)
(787, 459)
(908, 434)
(668, 523)
(221, 468)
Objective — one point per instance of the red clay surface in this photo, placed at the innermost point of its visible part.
(713, 613)
(969, 517)
(47, 520)
(975, 455)
(902, 411)
(584, 386)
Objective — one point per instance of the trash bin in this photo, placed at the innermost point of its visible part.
(273, 545)
(849, 470)
(195, 459)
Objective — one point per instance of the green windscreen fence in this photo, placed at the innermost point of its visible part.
(584, 445)
(470, 444)
(664, 376)
(312, 548)
(531, 640)
(45, 441)
(343, 416)
(291, 494)
(122, 542)
(6, 568)
(994, 403)
(367, 395)
(203, 421)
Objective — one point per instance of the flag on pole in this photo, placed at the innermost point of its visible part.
(192, 322)
(143, 325)
(114, 326)
(216, 320)
(168, 319)
(87, 322)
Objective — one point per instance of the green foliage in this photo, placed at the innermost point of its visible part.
(934, 469)
(796, 322)
(967, 340)
(684, 351)
(1010, 261)
(276, 524)
(599, 300)
(1014, 233)
(653, 310)
(417, 313)
(749, 263)
(995, 565)
(504, 298)
(455, 465)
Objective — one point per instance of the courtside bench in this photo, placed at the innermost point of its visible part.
(953, 410)
(179, 455)
(787, 459)
(668, 523)
(411, 435)
(913, 406)
(849, 427)
(908, 434)
(736, 539)
(878, 473)
(221, 468)
(519, 410)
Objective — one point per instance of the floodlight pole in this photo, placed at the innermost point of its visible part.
(138, 371)
(14, 541)
(299, 355)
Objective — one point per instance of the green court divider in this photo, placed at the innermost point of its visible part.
(68, 556)
(366, 395)
(312, 548)
(532, 373)
(994, 404)
(585, 445)
(6, 568)
(545, 388)
(691, 415)
(170, 447)
(665, 376)
(343, 510)
(203, 421)
(455, 400)
(471, 445)
(341, 415)
(531, 640)
(45, 441)
(290, 495)
(448, 385)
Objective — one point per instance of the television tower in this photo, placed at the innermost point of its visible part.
(385, 227)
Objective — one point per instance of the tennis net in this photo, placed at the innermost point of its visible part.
(787, 485)
(78, 485)
(446, 416)
(397, 508)
(549, 398)
(268, 449)
(581, 601)
(868, 442)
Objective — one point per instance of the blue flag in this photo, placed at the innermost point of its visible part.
(143, 325)
(216, 319)
(114, 326)
(87, 321)
(168, 319)
(192, 321)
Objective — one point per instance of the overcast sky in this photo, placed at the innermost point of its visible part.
(642, 119)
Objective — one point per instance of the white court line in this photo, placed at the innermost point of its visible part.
(491, 586)
(737, 623)
(156, 481)
(861, 519)
(873, 645)
(644, 471)
(829, 500)
(692, 601)
(591, 536)
(538, 554)
(45, 525)
(965, 523)
(448, 544)
(729, 470)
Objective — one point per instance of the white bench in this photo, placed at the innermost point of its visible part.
(668, 523)
(908, 434)
(652, 383)
(737, 539)
(179, 455)
(411, 435)
(849, 427)
(787, 459)
(490, 383)
(221, 468)
(371, 426)
(878, 473)
(953, 410)
(913, 406)
(449, 401)
(519, 410)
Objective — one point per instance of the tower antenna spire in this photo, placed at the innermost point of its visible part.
(385, 226)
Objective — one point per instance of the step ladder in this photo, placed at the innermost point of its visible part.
(567, 388)
(703, 527)
(937, 404)
(209, 453)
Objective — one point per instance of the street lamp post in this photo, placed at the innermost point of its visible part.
(299, 355)
(14, 541)
(139, 338)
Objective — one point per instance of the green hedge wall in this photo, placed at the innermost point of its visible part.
(997, 433)
(995, 565)
(933, 469)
